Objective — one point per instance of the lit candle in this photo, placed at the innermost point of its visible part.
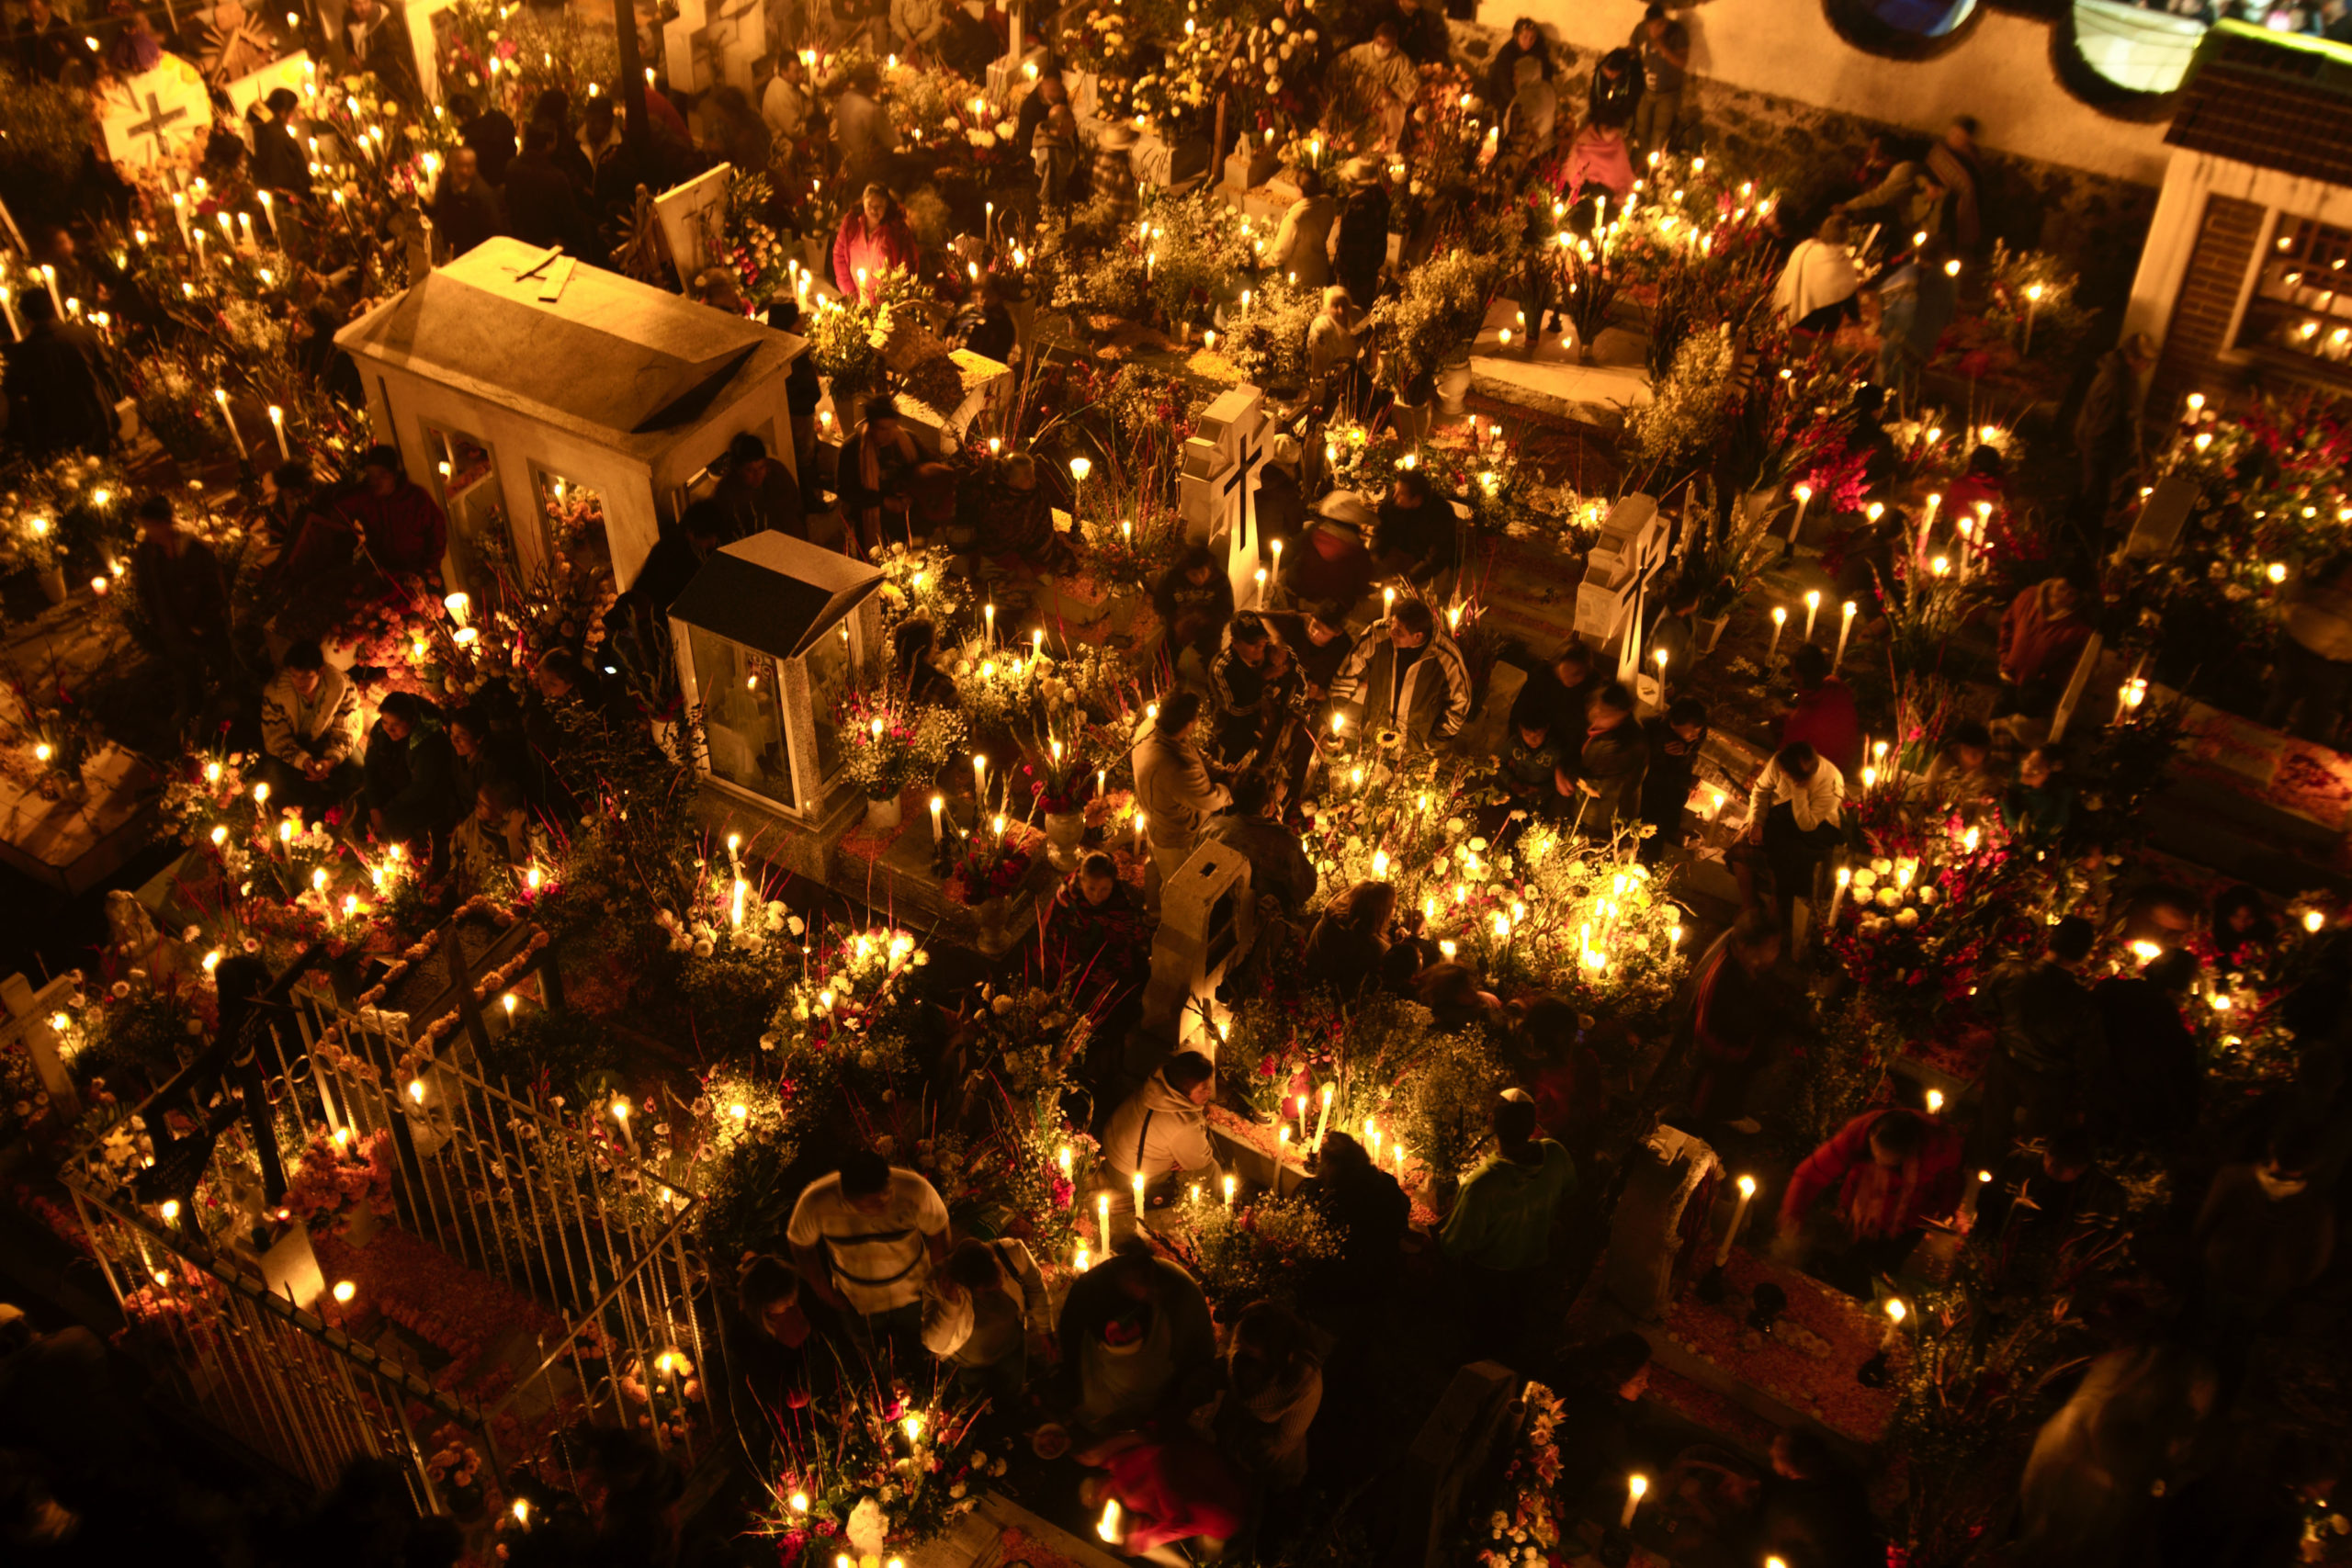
(1780, 624)
(1970, 1199)
(1845, 628)
(1138, 1182)
(1139, 820)
(220, 396)
(1895, 1313)
(1805, 499)
(938, 828)
(1323, 1120)
(980, 784)
(48, 276)
(1812, 610)
(1845, 874)
(1109, 1527)
(1739, 1213)
(1231, 1184)
(1102, 1220)
(1635, 1486)
(277, 426)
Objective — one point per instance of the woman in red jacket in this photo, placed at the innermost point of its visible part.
(874, 238)
(1891, 1172)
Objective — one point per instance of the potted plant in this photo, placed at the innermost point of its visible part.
(894, 744)
(1440, 308)
(1062, 781)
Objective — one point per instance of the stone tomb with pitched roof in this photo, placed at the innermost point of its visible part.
(515, 376)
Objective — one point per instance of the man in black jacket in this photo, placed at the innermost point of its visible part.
(489, 132)
(465, 209)
(2048, 1041)
(541, 207)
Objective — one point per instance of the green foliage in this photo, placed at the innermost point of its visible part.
(1268, 341)
(1260, 1253)
(44, 131)
(1443, 302)
(568, 1053)
(1685, 420)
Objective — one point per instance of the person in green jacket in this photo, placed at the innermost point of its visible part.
(1499, 1232)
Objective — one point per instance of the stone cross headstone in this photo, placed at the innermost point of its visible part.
(1218, 483)
(714, 41)
(29, 1012)
(1207, 922)
(149, 116)
(690, 214)
(423, 45)
(2158, 530)
(1631, 547)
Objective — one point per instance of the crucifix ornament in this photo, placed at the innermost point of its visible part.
(149, 116)
(1218, 490)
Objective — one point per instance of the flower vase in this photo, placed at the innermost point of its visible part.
(1453, 388)
(53, 583)
(1711, 631)
(991, 915)
(1063, 831)
(359, 1227)
(883, 816)
(1410, 421)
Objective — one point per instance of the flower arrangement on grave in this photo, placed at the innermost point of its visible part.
(1266, 336)
(847, 335)
(1443, 304)
(917, 584)
(1178, 96)
(936, 107)
(337, 1175)
(1096, 41)
(895, 744)
(49, 738)
(49, 507)
(2032, 300)
(508, 55)
(873, 1469)
(1026, 1038)
(1683, 423)
(1262, 1251)
(1445, 131)
(992, 861)
(455, 1466)
(1524, 1529)
(1916, 938)
(1485, 477)
(1072, 768)
(760, 258)
(1549, 910)
(1132, 544)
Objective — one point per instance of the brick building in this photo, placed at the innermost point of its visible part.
(2247, 276)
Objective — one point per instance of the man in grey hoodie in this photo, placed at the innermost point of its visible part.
(1161, 1129)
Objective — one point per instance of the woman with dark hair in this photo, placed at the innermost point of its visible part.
(2244, 932)
(1194, 599)
(412, 789)
(1370, 1213)
(1526, 43)
(1350, 941)
(1274, 1386)
(1452, 993)
(913, 646)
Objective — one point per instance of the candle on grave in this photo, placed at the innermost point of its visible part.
(1139, 825)
(1323, 1120)
(179, 213)
(989, 612)
(269, 216)
(1935, 1102)
(1845, 629)
(220, 396)
(1137, 1181)
(277, 426)
(1302, 1103)
(1970, 1199)
(48, 276)
(980, 784)
(1635, 1486)
(1102, 1220)
(620, 1114)
(938, 828)
(1984, 526)
(245, 231)
(1837, 894)
(1895, 1313)
(1231, 1184)
(1780, 624)
(1739, 1213)
(9, 305)
(1805, 499)
(1281, 1143)
(1935, 499)
(1812, 611)
(1109, 1527)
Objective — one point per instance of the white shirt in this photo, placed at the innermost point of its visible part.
(1818, 800)
(878, 1260)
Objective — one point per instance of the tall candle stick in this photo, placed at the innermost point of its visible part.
(1845, 628)
(1935, 499)
(277, 426)
(1805, 499)
(1895, 1313)
(1970, 1199)
(1635, 1486)
(1138, 1182)
(938, 828)
(1102, 1220)
(220, 396)
(1812, 610)
(269, 216)
(990, 612)
(1323, 1121)
(1739, 1213)
(1780, 624)
(1845, 879)
(1231, 1183)
(9, 305)
(1139, 822)
(48, 276)
(979, 785)
(1302, 1103)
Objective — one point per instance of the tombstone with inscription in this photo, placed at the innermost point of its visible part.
(1631, 550)
(1207, 922)
(514, 378)
(1218, 488)
(149, 117)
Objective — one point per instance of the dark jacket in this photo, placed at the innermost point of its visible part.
(279, 162)
(466, 218)
(1666, 787)
(2153, 1088)
(541, 205)
(1278, 866)
(57, 390)
(1361, 248)
(2044, 1018)
(415, 783)
(491, 136)
(1612, 761)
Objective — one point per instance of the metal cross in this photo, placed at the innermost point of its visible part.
(153, 126)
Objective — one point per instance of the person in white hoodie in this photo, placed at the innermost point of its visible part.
(1161, 1129)
(310, 727)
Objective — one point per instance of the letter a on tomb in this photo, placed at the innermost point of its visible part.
(1218, 490)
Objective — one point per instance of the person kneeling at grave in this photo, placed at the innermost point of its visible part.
(1140, 1344)
(1887, 1174)
(986, 1314)
(1160, 1131)
(310, 726)
(1095, 936)
(1533, 762)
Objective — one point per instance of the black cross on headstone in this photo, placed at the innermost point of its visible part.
(1239, 475)
(153, 125)
(707, 48)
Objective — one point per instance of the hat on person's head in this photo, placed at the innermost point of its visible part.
(1345, 510)
(282, 101)
(1360, 172)
(1286, 451)
(1118, 135)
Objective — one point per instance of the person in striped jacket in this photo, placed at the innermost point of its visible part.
(1408, 675)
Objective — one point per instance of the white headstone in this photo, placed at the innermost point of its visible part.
(149, 116)
(1631, 547)
(714, 41)
(691, 214)
(423, 48)
(1217, 485)
(2158, 530)
(1207, 922)
(292, 72)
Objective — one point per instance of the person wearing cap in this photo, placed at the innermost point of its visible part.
(1173, 787)
(2108, 440)
(1499, 1232)
(1301, 251)
(1139, 1342)
(1331, 565)
(866, 1239)
(1408, 675)
(1360, 249)
(985, 1314)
